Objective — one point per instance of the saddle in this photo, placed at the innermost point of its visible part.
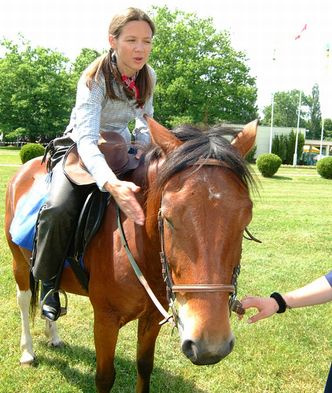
(88, 224)
(115, 151)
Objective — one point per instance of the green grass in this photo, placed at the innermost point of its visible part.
(10, 155)
(288, 353)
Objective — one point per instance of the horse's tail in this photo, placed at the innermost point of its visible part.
(34, 287)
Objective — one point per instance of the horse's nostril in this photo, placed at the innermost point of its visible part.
(189, 349)
(231, 344)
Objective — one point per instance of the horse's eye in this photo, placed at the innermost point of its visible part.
(169, 223)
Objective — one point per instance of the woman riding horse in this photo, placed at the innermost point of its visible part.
(195, 196)
(115, 89)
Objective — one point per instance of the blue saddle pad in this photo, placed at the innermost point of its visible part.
(23, 226)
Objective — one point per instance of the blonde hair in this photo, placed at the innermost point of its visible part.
(105, 64)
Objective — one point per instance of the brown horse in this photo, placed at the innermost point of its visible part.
(196, 185)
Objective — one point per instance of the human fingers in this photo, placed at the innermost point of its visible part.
(132, 186)
(130, 206)
(250, 301)
(138, 154)
(266, 307)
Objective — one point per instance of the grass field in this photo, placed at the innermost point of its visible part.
(288, 353)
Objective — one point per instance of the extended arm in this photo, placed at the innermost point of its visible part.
(317, 292)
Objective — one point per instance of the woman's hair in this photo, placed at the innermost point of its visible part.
(107, 64)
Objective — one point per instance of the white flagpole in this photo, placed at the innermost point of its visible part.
(323, 114)
(297, 130)
(321, 139)
(299, 110)
(272, 106)
(271, 127)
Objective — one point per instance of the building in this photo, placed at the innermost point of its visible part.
(263, 137)
(313, 145)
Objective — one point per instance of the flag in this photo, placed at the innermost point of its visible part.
(298, 36)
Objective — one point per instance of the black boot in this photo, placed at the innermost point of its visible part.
(51, 308)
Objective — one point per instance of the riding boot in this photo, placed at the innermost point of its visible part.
(56, 224)
(51, 308)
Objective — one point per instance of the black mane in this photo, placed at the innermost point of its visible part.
(202, 144)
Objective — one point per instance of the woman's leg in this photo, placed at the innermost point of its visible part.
(55, 229)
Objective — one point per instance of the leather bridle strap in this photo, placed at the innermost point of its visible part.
(139, 273)
(203, 288)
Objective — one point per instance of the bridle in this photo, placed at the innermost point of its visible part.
(171, 289)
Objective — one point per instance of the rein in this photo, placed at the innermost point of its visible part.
(139, 273)
(234, 304)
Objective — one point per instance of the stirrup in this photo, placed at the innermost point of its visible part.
(63, 310)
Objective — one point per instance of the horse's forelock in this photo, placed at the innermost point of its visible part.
(197, 144)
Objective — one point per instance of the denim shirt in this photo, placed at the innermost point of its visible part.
(94, 111)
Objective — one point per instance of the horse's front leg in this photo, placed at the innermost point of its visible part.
(106, 331)
(148, 330)
(23, 301)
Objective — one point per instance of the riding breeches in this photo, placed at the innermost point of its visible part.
(57, 224)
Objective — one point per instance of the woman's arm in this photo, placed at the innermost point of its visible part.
(317, 292)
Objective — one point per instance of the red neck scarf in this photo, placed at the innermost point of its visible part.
(130, 83)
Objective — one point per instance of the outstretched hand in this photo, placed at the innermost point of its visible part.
(124, 194)
(266, 307)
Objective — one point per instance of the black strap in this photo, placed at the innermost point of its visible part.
(80, 273)
(281, 302)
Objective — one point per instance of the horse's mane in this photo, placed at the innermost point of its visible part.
(201, 144)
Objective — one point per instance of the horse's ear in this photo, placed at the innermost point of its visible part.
(161, 136)
(245, 139)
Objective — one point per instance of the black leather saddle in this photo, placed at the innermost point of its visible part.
(88, 224)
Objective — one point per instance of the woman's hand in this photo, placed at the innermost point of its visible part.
(124, 194)
(138, 154)
(266, 306)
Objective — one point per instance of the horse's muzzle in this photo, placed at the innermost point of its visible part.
(199, 355)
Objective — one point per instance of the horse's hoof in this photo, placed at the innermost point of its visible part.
(27, 360)
(56, 344)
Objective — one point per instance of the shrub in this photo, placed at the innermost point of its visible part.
(250, 157)
(324, 167)
(30, 151)
(268, 164)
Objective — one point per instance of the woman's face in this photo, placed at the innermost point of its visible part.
(132, 47)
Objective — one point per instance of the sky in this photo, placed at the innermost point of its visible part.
(263, 29)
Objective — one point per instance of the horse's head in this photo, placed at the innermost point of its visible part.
(202, 187)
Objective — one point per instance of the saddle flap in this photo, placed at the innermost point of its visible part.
(90, 220)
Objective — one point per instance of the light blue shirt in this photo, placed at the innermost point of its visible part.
(94, 111)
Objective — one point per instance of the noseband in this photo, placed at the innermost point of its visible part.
(234, 304)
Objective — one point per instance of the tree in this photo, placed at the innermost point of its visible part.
(200, 76)
(284, 146)
(85, 57)
(328, 129)
(36, 94)
(315, 122)
(285, 111)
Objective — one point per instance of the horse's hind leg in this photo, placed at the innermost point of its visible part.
(51, 332)
(23, 301)
(21, 272)
(22, 276)
(148, 330)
